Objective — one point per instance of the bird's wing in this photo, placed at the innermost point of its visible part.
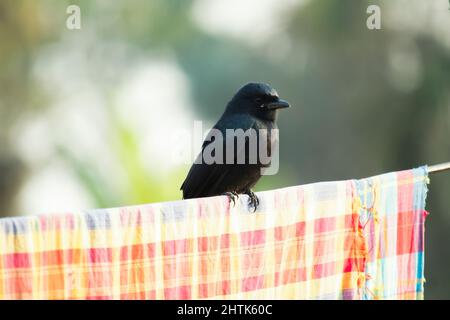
(204, 179)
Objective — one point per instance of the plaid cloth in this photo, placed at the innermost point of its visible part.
(355, 239)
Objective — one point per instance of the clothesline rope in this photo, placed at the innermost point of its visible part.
(439, 167)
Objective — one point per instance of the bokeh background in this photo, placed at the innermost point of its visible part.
(85, 115)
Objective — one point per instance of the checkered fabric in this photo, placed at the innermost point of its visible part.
(355, 239)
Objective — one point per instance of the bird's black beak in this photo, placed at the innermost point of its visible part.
(280, 104)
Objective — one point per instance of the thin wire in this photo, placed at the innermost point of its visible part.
(439, 167)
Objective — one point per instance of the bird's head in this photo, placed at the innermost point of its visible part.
(257, 99)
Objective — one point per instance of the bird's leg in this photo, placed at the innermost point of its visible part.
(233, 195)
(253, 200)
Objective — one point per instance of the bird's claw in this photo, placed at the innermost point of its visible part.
(253, 200)
(232, 196)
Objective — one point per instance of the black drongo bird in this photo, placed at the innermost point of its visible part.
(254, 107)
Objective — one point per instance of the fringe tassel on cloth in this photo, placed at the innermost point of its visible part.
(355, 239)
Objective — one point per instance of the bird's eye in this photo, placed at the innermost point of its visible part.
(258, 100)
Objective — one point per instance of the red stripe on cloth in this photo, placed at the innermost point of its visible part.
(407, 230)
(296, 230)
(99, 255)
(98, 281)
(324, 270)
(212, 243)
(354, 264)
(253, 238)
(54, 257)
(319, 271)
(252, 283)
(300, 229)
(21, 284)
(138, 251)
(323, 225)
(182, 292)
(17, 260)
(174, 247)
